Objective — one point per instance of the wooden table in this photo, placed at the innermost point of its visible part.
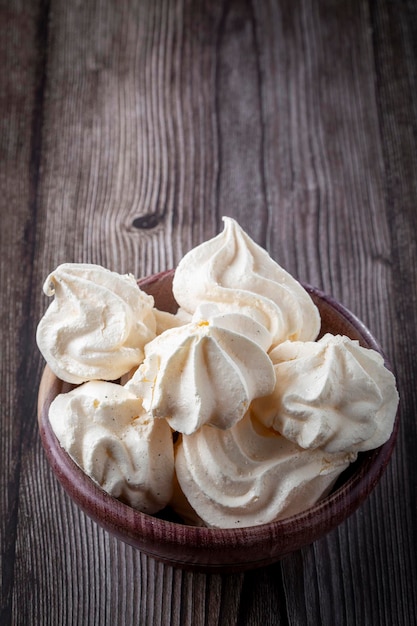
(126, 131)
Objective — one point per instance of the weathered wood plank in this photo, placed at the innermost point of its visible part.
(21, 87)
(128, 129)
(395, 45)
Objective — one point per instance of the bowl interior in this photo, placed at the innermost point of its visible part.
(209, 549)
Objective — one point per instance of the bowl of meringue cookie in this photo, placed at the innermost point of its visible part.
(217, 417)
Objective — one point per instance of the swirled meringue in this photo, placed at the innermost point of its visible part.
(105, 430)
(97, 325)
(333, 394)
(250, 475)
(235, 273)
(205, 372)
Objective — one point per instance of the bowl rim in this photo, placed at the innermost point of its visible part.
(202, 547)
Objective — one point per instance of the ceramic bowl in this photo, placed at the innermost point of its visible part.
(208, 549)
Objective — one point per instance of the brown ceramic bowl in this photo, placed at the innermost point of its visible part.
(208, 549)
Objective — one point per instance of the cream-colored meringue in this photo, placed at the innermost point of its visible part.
(97, 325)
(250, 475)
(165, 320)
(235, 273)
(105, 430)
(180, 504)
(333, 394)
(205, 372)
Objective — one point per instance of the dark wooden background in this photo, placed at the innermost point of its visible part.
(127, 129)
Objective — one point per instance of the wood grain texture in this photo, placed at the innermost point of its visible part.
(126, 131)
(21, 86)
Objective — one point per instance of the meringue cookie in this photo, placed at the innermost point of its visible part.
(205, 372)
(234, 272)
(107, 433)
(97, 325)
(333, 394)
(250, 475)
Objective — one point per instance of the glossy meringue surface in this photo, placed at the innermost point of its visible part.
(205, 372)
(105, 430)
(233, 271)
(331, 393)
(251, 475)
(97, 324)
